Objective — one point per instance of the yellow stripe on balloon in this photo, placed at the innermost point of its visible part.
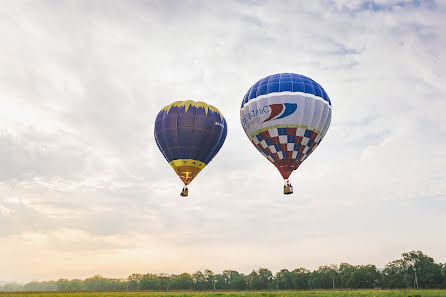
(187, 162)
(187, 169)
(189, 103)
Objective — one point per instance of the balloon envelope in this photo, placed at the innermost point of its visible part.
(189, 134)
(286, 116)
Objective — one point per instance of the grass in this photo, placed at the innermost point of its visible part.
(343, 293)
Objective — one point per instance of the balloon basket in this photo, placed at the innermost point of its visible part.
(287, 188)
(184, 192)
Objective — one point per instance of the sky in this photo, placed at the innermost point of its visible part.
(84, 189)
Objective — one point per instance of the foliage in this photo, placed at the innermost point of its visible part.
(414, 270)
(332, 293)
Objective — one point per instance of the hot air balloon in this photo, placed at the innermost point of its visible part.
(286, 116)
(189, 134)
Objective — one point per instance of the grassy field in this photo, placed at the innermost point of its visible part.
(363, 293)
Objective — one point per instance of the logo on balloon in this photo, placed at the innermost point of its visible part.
(280, 111)
(220, 124)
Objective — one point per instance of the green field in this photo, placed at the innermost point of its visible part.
(371, 293)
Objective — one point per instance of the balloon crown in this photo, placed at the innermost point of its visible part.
(197, 104)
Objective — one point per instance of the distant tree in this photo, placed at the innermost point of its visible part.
(235, 280)
(260, 279)
(413, 270)
(301, 278)
(227, 278)
(284, 280)
(12, 287)
(444, 275)
(395, 275)
(149, 282)
(325, 277)
(75, 285)
(220, 282)
(32, 286)
(40, 286)
(345, 272)
(364, 277)
(252, 279)
(133, 281)
(118, 284)
(164, 281)
(49, 286)
(62, 284)
(182, 282)
(209, 277)
(423, 272)
(266, 277)
(199, 281)
(95, 283)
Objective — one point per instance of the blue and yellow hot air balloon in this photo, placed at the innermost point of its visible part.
(189, 134)
(286, 116)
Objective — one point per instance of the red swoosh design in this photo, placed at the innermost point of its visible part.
(276, 109)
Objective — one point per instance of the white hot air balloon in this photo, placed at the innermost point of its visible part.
(286, 116)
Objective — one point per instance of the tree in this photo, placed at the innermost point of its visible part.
(260, 279)
(423, 272)
(95, 283)
(199, 281)
(284, 280)
(182, 282)
(253, 280)
(149, 282)
(413, 270)
(345, 271)
(364, 277)
(62, 285)
(301, 278)
(12, 287)
(133, 281)
(210, 279)
(395, 275)
(164, 281)
(220, 282)
(117, 284)
(444, 275)
(236, 281)
(40, 286)
(75, 285)
(325, 277)
(266, 277)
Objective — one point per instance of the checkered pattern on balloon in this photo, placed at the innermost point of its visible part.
(286, 148)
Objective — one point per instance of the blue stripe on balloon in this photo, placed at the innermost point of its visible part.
(285, 82)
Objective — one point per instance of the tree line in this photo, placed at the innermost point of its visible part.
(413, 270)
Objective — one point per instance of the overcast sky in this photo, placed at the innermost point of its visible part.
(84, 189)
